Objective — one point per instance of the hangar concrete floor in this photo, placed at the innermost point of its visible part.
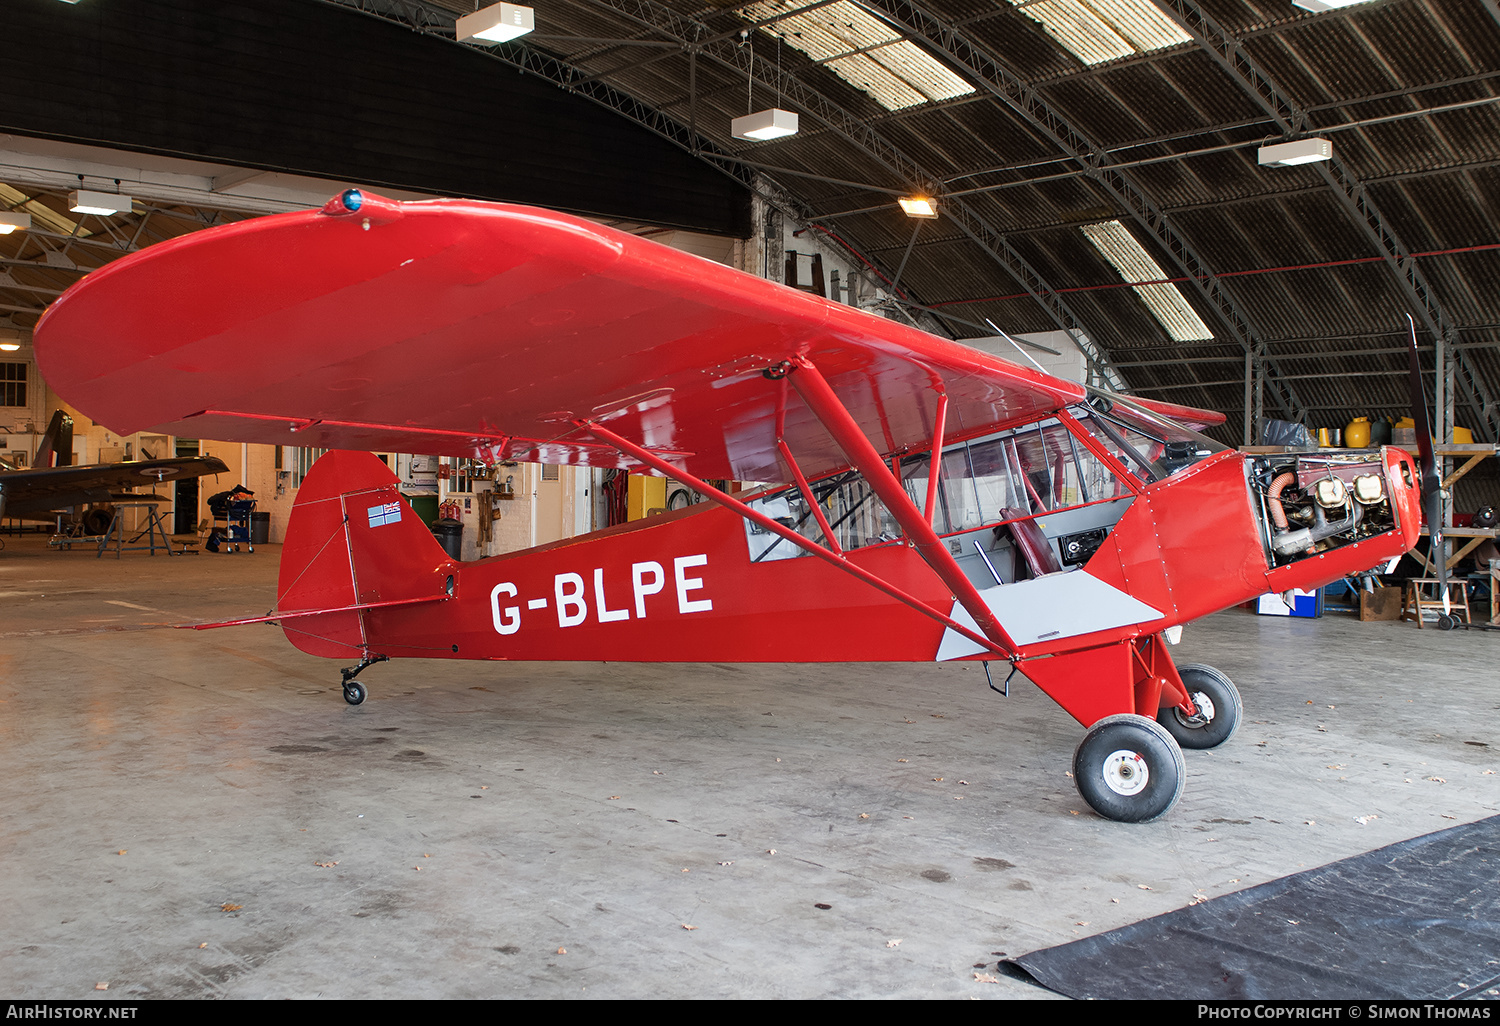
(200, 814)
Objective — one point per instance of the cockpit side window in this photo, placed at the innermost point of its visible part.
(854, 512)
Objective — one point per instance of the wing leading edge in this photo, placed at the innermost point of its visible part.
(480, 329)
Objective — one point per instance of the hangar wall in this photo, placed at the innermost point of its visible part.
(301, 86)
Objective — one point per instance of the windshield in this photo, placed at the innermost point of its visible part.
(1151, 445)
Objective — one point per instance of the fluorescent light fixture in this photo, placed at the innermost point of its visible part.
(497, 23)
(1165, 301)
(10, 340)
(82, 201)
(1300, 151)
(862, 50)
(1319, 6)
(10, 220)
(1097, 31)
(919, 206)
(774, 123)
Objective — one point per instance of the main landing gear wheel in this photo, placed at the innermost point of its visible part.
(354, 692)
(1129, 769)
(1219, 709)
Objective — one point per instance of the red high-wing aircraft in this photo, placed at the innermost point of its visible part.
(1066, 531)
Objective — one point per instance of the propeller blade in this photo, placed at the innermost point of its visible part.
(1432, 485)
(1419, 413)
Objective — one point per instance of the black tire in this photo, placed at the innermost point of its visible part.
(354, 692)
(1129, 769)
(1220, 700)
(97, 521)
(1446, 621)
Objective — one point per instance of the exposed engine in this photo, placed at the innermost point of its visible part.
(1312, 502)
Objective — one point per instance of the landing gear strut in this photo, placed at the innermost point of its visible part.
(354, 691)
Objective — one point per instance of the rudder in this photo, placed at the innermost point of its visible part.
(352, 540)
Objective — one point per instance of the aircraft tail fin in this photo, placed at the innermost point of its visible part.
(354, 548)
(56, 449)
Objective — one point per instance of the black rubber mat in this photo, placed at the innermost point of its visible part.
(1416, 920)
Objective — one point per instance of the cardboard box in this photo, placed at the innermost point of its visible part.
(1380, 604)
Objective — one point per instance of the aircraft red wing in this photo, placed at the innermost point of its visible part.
(952, 505)
(479, 329)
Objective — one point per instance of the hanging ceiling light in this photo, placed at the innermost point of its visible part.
(11, 220)
(1299, 151)
(82, 201)
(774, 123)
(497, 23)
(919, 206)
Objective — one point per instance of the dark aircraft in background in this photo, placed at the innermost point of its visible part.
(53, 484)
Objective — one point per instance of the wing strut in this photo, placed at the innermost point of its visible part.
(935, 460)
(1004, 649)
(821, 399)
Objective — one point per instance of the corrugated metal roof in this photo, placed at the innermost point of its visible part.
(1035, 142)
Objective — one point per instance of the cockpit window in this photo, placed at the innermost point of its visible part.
(1030, 471)
(1018, 473)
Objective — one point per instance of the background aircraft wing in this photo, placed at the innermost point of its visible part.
(41, 489)
(465, 328)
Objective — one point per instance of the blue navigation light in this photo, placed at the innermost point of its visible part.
(352, 200)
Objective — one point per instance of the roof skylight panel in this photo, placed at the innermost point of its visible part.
(869, 75)
(1097, 31)
(43, 214)
(862, 50)
(1165, 301)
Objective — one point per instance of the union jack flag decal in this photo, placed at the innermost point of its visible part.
(390, 513)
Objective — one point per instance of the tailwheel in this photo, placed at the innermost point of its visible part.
(1129, 769)
(1219, 709)
(354, 691)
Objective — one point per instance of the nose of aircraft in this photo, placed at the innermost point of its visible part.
(1403, 482)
